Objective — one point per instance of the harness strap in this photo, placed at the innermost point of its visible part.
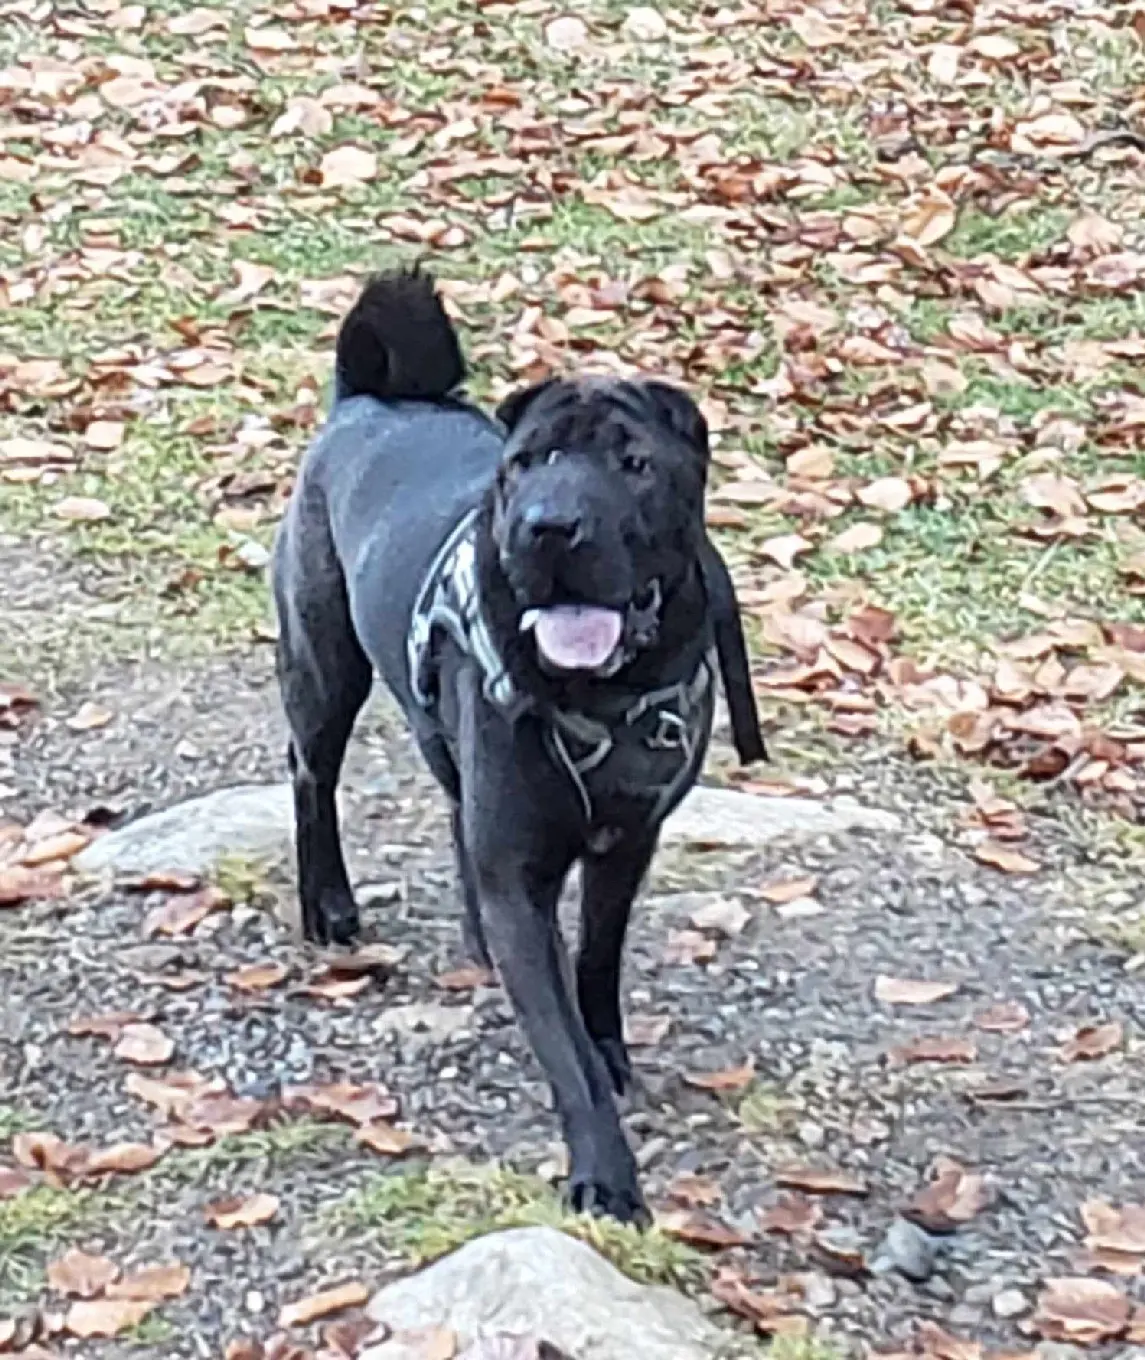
(448, 599)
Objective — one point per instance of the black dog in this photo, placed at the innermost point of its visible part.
(541, 597)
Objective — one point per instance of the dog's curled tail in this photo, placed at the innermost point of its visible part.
(397, 342)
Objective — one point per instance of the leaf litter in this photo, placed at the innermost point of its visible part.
(860, 435)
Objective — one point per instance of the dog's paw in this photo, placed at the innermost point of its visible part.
(616, 1059)
(332, 919)
(608, 1193)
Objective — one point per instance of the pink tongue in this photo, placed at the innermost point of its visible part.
(578, 637)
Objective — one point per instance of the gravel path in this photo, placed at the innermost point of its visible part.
(787, 987)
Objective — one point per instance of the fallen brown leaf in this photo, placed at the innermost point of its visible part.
(152, 1283)
(791, 1214)
(772, 1311)
(907, 992)
(105, 1317)
(1006, 1017)
(700, 1229)
(1081, 1311)
(1092, 1042)
(179, 915)
(727, 1079)
(81, 1275)
(239, 1212)
(934, 1048)
(19, 885)
(145, 1045)
(788, 889)
(257, 977)
(1109, 1229)
(322, 1304)
(1005, 857)
(385, 1139)
(818, 1181)
(356, 1104)
(953, 1197)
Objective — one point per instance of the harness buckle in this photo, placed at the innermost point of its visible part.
(671, 732)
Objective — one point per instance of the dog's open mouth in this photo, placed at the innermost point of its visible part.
(575, 637)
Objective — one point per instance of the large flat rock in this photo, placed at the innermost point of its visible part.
(540, 1283)
(251, 820)
(714, 816)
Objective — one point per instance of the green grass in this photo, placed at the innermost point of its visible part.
(425, 1212)
(698, 119)
(33, 1225)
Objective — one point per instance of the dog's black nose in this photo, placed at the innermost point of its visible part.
(541, 521)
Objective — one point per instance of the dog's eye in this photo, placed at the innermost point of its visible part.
(636, 464)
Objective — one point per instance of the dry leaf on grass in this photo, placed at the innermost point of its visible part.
(80, 1274)
(387, 1140)
(239, 1212)
(1092, 1042)
(322, 1304)
(1081, 1311)
(907, 992)
(105, 1317)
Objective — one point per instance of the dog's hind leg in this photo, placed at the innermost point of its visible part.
(609, 884)
(325, 679)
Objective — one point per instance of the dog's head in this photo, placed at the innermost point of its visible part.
(598, 514)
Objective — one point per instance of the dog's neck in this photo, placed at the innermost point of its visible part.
(682, 639)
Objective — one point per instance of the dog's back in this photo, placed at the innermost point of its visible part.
(400, 460)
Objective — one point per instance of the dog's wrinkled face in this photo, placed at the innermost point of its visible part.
(598, 514)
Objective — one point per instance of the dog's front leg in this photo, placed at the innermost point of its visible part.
(611, 881)
(519, 908)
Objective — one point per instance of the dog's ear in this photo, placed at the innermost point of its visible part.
(680, 413)
(731, 650)
(510, 411)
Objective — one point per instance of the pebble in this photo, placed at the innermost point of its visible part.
(909, 1250)
(812, 1135)
(1010, 1303)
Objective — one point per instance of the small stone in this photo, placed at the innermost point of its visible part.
(539, 1282)
(812, 1135)
(729, 817)
(1010, 1303)
(254, 1301)
(645, 23)
(253, 820)
(909, 1250)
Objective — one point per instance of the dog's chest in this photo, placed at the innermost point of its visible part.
(631, 771)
